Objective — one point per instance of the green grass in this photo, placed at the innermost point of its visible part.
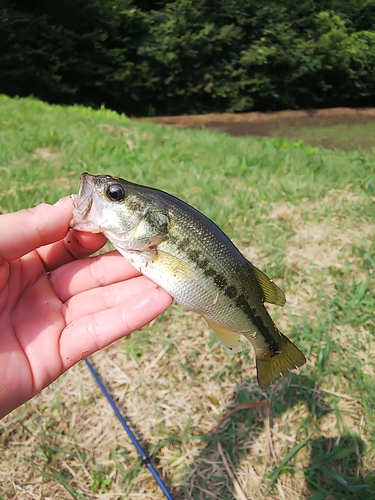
(343, 136)
(303, 214)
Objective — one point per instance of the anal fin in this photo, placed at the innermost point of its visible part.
(229, 338)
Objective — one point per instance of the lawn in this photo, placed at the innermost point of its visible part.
(337, 128)
(303, 214)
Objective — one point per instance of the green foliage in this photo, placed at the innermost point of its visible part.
(100, 481)
(189, 56)
(72, 51)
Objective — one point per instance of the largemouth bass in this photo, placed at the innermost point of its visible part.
(186, 254)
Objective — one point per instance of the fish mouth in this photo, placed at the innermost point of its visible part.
(83, 201)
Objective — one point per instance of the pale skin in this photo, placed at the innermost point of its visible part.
(57, 305)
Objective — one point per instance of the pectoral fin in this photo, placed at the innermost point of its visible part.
(173, 266)
(272, 293)
(229, 338)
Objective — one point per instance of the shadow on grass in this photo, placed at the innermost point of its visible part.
(332, 466)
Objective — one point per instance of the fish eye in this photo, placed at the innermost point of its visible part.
(115, 192)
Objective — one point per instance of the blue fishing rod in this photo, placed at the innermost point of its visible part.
(134, 440)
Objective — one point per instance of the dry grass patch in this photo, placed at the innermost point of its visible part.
(174, 383)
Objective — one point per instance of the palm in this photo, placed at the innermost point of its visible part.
(31, 315)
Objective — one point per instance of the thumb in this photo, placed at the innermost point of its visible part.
(25, 230)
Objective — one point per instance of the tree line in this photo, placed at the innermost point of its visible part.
(160, 57)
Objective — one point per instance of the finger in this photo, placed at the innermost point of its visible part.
(93, 332)
(105, 297)
(26, 230)
(85, 274)
(75, 245)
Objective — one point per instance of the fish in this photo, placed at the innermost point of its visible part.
(189, 256)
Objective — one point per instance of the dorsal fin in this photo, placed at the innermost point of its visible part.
(272, 293)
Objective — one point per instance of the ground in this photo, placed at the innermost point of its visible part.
(304, 215)
(340, 128)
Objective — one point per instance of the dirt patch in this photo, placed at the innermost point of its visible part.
(341, 128)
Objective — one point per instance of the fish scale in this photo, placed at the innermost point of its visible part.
(188, 255)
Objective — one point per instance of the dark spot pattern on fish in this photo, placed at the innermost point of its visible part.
(193, 255)
(182, 244)
(243, 304)
(134, 204)
(204, 264)
(220, 281)
(209, 272)
(231, 291)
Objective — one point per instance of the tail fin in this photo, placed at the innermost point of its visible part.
(276, 363)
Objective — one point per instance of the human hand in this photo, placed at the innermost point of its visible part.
(56, 307)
